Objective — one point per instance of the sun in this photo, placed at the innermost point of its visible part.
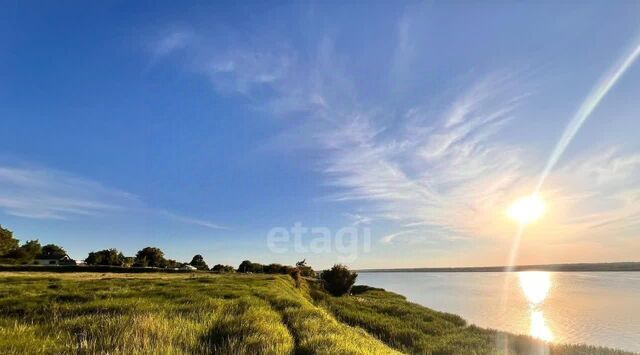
(527, 209)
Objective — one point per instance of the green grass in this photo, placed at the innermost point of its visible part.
(107, 313)
(46, 313)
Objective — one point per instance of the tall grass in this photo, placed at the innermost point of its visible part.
(168, 314)
(107, 313)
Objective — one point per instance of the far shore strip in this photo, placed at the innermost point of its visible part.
(619, 266)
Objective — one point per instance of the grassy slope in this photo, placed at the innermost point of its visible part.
(168, 314)
(204, 313)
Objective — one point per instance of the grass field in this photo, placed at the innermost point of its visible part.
(88, 313)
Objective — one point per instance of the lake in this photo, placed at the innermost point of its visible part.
(597, 308)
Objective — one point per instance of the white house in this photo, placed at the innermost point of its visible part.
(65, 260)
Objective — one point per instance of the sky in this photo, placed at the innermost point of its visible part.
(385, 134)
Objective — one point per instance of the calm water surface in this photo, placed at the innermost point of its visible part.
(598, 308)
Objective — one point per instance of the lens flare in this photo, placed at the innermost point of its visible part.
(587, 107)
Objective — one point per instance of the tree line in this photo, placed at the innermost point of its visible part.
(11, 252)
(338, 280)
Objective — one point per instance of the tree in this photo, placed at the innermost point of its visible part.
(273, 269)
(26, 253)
(128, 261)
(276, 269)
(52, 251)
(222, 268)
(111, 257)
(248, 266)
(199, 263)
(257, 268)
(7, 242)
(172, 264)
(150, 256)
(245, 266)
(338, 280)
(16, 256)
(32, 249)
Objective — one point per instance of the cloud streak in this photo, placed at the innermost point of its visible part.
(40, 193)
(43, 193)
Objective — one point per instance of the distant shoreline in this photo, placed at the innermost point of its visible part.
(617, 266)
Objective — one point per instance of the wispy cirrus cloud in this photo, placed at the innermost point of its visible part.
(44, 193)
(443, 172)
(358, 219)
(190, 220)
(172, 42)
(389, 238)
(40, 193)
(598, 192)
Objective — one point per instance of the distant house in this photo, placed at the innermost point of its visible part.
(187, 267)
(65, 260)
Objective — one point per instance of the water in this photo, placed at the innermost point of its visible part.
(597, 308)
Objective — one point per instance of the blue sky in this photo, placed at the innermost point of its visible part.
(200, 127)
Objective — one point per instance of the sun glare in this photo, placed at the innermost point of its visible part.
(527, 209)
(535, 285)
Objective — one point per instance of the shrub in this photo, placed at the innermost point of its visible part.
(338, 280)
(305, 270)
(295, 275)
(273, 269)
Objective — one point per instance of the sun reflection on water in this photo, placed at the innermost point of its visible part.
(535, 286)
(538, 327)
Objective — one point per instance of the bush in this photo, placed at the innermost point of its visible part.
(295, 275)
(338, 280)
(305, 270)
(277, 269)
